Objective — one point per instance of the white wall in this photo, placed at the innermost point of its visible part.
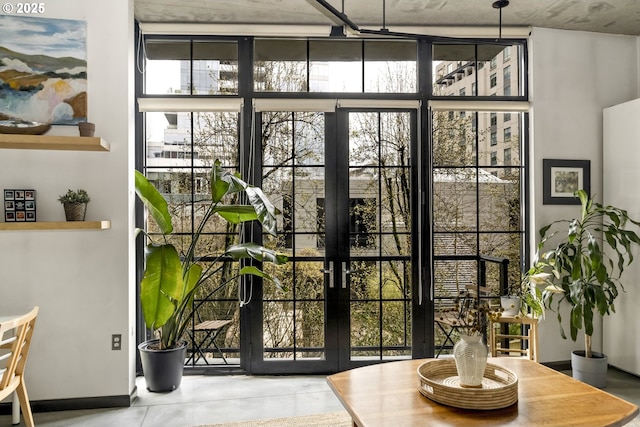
(621, 177)
(82, 280)
(574, 76)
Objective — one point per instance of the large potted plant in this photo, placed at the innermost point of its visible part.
(586, 265)
(171, 280)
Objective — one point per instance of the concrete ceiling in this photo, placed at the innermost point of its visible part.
(604, 16)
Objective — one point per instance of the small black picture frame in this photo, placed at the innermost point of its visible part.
(19, 205)
(561, 178)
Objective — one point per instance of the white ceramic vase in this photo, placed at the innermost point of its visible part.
(470, 354)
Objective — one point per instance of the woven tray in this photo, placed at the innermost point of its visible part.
(439, 382)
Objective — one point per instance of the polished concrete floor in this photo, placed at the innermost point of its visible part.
(216, 399)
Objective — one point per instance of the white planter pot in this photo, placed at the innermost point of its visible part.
(510, 305)
(592, 370)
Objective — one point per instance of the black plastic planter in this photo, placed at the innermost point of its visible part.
(162, 368)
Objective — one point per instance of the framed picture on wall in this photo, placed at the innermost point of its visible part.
(19, 205)
(561, 178)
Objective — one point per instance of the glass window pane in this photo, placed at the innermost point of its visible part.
(278, 329)
(335, 66)
(396, 331)
(309, 188)
(277, 138)
(503, 146)
(363, 139)
(454, 138)
(365, 329)
(280, 65)
(454, 199)
(309, 138)
(452, 276)
(165, 70)
(169, 139)
(292, 141)
(390, 66)
(310, 323)
(215, 68)
(499, 205)
(185, 68)
(476, 70)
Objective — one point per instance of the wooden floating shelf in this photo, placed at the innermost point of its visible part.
(52, 142)
(55, 225)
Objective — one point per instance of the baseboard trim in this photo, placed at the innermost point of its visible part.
(53, 405)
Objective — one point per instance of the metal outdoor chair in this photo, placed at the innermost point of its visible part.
(211, 330)
(450, 321)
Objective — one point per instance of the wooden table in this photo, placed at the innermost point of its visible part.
(387, 395)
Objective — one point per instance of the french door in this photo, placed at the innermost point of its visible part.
(347, 185)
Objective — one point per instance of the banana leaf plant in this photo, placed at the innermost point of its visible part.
(170, 279)
(587, 263)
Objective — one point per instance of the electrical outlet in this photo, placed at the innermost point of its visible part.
(116, 342)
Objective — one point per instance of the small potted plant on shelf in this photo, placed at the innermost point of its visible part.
(171, 280)
(75, 204)
(586, 265)
(525, 297)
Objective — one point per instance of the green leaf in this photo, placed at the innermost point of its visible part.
(543, 230)
(219, 186)
(154, 202)
(576, 321)
(192, 277)
(588, 319)
(237, 214)
(584, 201)
(161, 285)
(255, 251)
(263, 207)
(255, 271)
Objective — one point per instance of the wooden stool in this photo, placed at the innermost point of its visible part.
(531, 337)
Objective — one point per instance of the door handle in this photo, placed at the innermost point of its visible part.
(345, 271)
(329, 271)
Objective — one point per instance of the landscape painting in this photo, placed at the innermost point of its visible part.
(43, 70)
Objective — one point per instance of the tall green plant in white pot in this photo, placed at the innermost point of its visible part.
(586, 266)
(171, 280)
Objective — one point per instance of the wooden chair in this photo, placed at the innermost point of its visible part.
(528, 342)
(15, 341)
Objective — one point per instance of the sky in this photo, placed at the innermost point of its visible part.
(44, 36)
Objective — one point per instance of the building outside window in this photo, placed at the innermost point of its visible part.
(507, 134)
(506, 53)
(507, 156)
